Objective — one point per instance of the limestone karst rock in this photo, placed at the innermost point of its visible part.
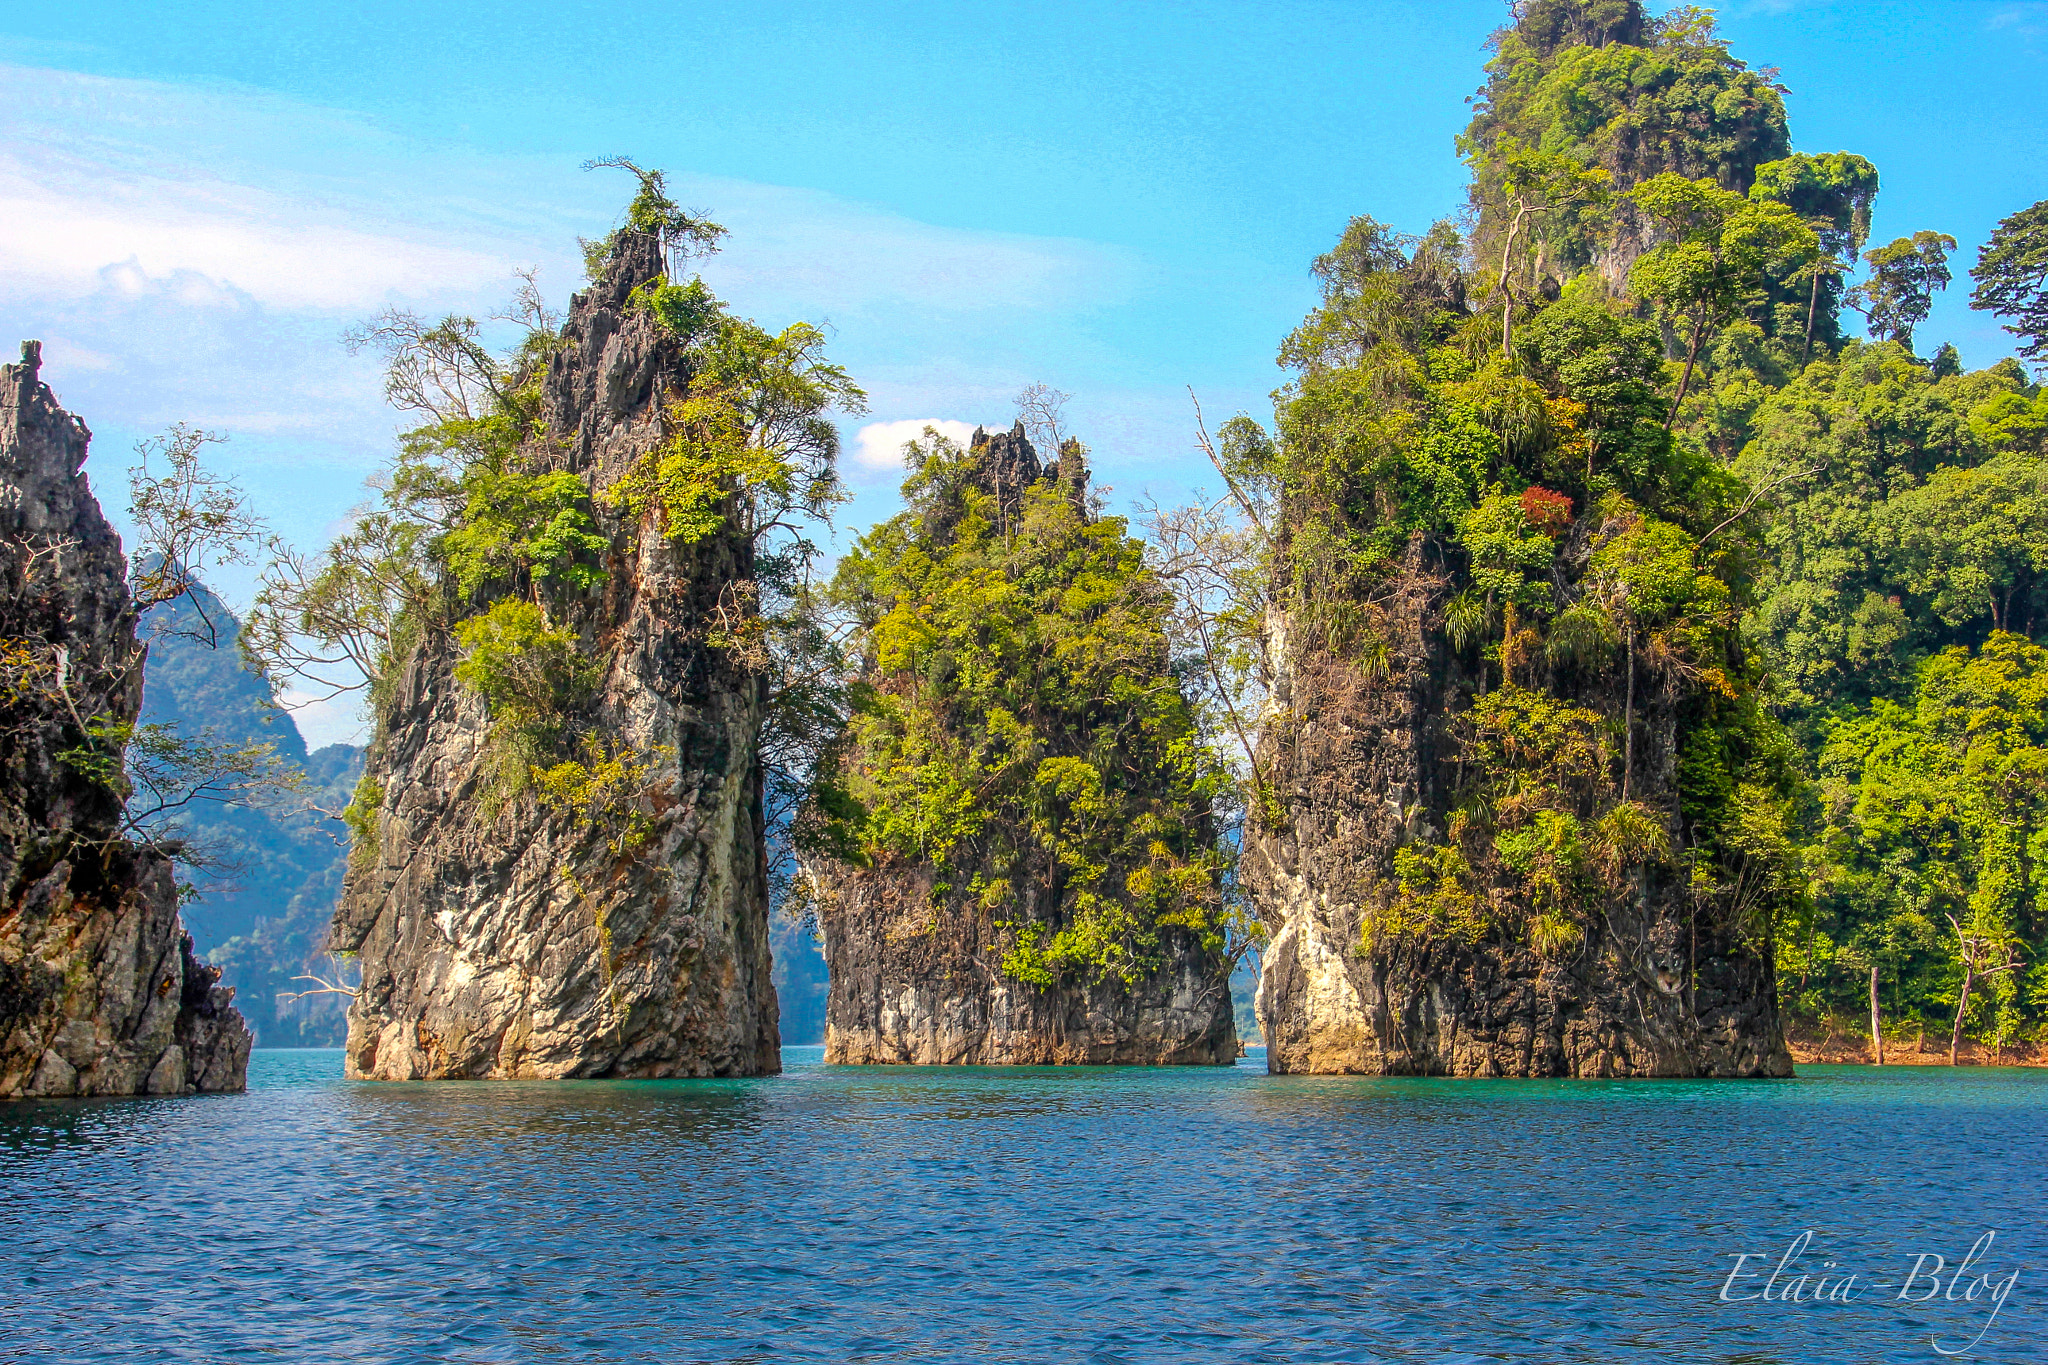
(925, 957)
(505, 940)
(1659, 986)
(100, 993)
(1526, 810)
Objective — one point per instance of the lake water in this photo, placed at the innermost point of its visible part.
(838, 1214)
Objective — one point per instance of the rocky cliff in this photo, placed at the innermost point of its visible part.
(1016, 869)
(915, 988)
(1524, 809)
(508, 939)
(1460, 961)
(100, 993)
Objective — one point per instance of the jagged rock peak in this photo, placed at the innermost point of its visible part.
(1009, 464)
(515, 942)
(99, 991)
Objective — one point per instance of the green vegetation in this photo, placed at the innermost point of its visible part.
(1018, 729)
(2012, 279)
(1618, 427)
(486, 541)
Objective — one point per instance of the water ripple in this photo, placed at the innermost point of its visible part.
(1008, 1216)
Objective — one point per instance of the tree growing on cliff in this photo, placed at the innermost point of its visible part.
(1719, 248)
(1904, 277)
(1833, 192)
(2012, 279)
(1017, 728)
(188, 520)
(340, 620)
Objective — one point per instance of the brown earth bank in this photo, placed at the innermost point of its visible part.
(1814, 1044)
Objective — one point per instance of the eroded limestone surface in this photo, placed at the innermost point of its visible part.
(511, 942)
(100, 993)
(1656, 988)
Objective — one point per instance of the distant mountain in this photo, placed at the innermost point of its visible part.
(800, 981)
(262, 916)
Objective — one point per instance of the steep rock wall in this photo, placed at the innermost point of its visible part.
(916, 988)
(100, 993)
(1370, 764)
(514, 943)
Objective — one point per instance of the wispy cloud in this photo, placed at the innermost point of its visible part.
(2028, 19)
(193, 253)
(70, 227)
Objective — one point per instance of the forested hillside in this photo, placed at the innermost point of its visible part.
(270, 870)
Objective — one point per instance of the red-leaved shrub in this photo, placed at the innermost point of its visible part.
(1548, 512)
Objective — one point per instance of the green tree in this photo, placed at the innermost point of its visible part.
(2012, 278)
(1938, 820)
(1720, 248)
(188, 520)
(1535, 185)
(1017, 724)
(1635, 96)
(1904, 275)
(1833, 192)
(1508, 555)
(1913, 478)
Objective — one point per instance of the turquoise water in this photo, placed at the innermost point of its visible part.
(838, 1214)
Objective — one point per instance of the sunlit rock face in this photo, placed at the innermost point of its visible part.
(502, 940)
(100, 993)
(914, 989)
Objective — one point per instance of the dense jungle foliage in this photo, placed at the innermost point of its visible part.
(1017, 726)
(1615, 408)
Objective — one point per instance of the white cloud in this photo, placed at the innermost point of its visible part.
(878, 446)
(69, 227)
(112, 184)
(326, 720)
(193, 253)
(810, 253)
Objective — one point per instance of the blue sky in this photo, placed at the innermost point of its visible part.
(1117, 199)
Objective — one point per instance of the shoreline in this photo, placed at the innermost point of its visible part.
(1813, 1046)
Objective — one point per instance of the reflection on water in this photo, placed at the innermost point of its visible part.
(838, 1214)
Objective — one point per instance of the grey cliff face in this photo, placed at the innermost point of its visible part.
(514, 943)
(100, 993)
(918, 983)
(1655, 989)
(909, 987)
